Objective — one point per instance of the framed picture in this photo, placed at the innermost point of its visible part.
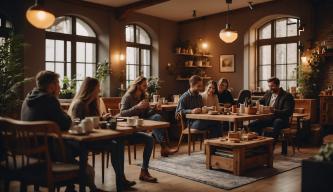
(227, 63)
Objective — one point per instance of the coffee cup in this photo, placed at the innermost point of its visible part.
(86, 125)
(131, 121)
(139, 122)
(95, 120)
(241, 108)
(155, 98)
(204, 109)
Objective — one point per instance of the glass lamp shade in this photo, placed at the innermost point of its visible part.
(39, 17)
(227, 35)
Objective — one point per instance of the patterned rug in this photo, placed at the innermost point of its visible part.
(194, 168)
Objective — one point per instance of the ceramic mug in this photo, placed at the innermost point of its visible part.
(95, 120)
(241, 108)
(86, 125)
(139, 122)
(131, 121)
(204, 109)
(155, 98)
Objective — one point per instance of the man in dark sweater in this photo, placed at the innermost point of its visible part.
(282, 105)
(42, 104)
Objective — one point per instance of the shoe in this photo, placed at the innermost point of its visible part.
(166, 151)
(128, 184)
(145, 176)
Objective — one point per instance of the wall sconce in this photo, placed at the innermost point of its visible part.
(121, 57)
(40, 17)
(204, 45)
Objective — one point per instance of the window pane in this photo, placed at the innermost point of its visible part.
(129, 33)
(80, 52)
(90, 53)
(132, 55)
(291, 72)
(60, 69)
(283, 84)
(49, 66)
(263, 85)
(292, 53)
(281, 28)
(292, 27)
(142, 36)
(60, 54)
(281, 71)
(146, 71)
(62, 25)
(78, 85)
(132, 71)
(80, 71)
(291, 84)
(69, 51)
(69, 70)
(90, 70)
(145, 57)
(84, 29)
(264, 72)
(280, 54)
(265, 55)
(49, 50)
(265, 32)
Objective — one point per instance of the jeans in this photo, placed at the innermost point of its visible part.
(147, 139)
(214, 127)
(159, 134)
(277, 123)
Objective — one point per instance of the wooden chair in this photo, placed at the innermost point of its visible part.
(27, 158)
(190, 132)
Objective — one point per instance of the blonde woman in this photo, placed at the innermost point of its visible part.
(85, 104)
(209, 96)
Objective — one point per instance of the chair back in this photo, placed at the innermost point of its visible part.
(299, 110)
(113, 104)
(243, 94)
(181, 120)
(23, 142)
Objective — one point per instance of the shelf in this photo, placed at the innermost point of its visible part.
(187, 78)
(210, 66)
(194, 55)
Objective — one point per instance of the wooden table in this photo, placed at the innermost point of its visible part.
(239, 156)
(230, 118)
(98, 135)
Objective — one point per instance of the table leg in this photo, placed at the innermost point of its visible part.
(270, 155)
(208, 156)
(83, 166)
(235, 125)
(239, 155)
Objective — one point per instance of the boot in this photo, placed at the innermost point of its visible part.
(166, 151)
(145, 176)
(128, 184)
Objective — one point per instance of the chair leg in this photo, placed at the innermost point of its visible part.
(93, 159)
(193, 142)
(134, 151)
(154, 147)
(129, 154)
(103, 165)
(189, 144)
(180, 140)
(201, 140)
(107, 159)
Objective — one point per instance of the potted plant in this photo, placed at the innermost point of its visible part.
(153, 86)
(102, 72)
(317, 172)
(68, 88)
(11, 76)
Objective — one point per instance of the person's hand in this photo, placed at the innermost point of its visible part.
(158, 107)
(196, 111)
(143, 105)
(106, 116)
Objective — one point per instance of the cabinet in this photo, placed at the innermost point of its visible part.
(326, 110)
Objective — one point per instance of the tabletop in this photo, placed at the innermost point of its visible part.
(222, 142)
(300, 115)
(122, 130)
(230, 118)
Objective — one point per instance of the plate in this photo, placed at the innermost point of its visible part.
(74, 132)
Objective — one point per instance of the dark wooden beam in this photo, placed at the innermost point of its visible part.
(122, 12)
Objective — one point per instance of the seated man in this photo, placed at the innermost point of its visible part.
(191, 102)
(282, 104)
(133, 103)
(42, 104)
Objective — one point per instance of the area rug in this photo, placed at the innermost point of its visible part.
(194, 168)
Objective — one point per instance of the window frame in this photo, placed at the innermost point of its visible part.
(73, 38)
(273, 41)
(5, 31)
(141, 47)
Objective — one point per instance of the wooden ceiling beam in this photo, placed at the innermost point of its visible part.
(123, 11)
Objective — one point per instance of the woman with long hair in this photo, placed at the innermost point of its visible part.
(85, 104)
(209, 96)
(134, 103)
(224, 95)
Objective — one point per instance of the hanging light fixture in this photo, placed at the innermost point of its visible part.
(227, 35)
(38, 16)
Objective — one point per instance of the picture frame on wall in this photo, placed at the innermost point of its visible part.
(227, 63)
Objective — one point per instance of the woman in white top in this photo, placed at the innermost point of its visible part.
(209, 96)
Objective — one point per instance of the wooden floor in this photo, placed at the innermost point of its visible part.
(284, 182)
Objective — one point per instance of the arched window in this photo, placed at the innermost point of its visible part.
(70, 49)
(138, 53)
(6, 28)
(278, 53)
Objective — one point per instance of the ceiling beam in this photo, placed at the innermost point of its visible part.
(123, 11)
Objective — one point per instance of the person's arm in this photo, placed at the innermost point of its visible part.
(78, 111)
(126, 108)
(287, 108)
(57, 115)
(181, 107)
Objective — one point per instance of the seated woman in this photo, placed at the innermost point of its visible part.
(85, 104)
(209, 96)
(224, 95)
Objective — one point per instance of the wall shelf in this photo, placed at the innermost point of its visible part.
(187, 78)
(194, 55)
